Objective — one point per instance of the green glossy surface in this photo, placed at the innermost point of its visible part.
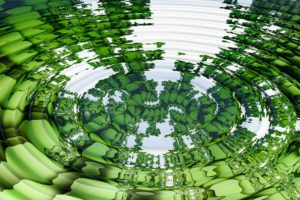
(149, 100)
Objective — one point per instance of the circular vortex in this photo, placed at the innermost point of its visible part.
(139, 100)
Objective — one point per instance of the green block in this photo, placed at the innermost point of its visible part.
(226, 188)
(13, 48)
(12, 118)
(40, 133)
(10, 37)
(7, 84)
(93, 190)
(27, 162)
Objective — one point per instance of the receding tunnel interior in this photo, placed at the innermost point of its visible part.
(149, 100)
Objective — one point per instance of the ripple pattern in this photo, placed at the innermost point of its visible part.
(138, 100)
